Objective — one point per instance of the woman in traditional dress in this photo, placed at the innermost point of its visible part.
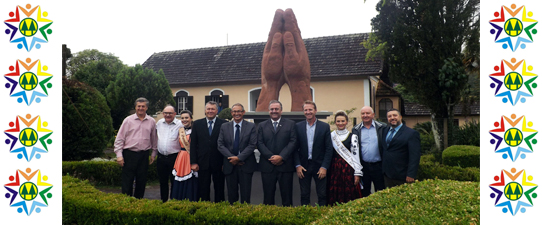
(185, 185)
(345, 170)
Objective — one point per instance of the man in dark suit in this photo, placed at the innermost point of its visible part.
(313, 157)
(236, 142)
(204, 155)
(400, 150)
(369, 133)
(277, 142)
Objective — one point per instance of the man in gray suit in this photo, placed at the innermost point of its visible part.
(237, 141)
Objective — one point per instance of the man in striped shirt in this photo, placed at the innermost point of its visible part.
(136, 136)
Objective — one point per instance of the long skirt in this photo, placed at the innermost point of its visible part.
(340, 183)
(185, 185)
(186, 189)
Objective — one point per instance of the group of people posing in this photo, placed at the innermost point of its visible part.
(343, 164)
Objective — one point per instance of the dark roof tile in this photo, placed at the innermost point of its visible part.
(331, 56)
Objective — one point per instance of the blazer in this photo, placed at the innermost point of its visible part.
(379, 129)
(203, 147)
(282, 142)
(402, 157)
(322, 148)
(247, 143)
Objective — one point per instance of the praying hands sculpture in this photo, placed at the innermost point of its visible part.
(285, 60)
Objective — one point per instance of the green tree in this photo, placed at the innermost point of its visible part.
(24, 192)
(97, 74)
(86, 121)
(113, 63)
(421, 41)
(132, 83)
(32, 192)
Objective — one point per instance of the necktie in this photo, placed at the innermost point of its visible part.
(388, 140)
(236, 140)
(275, 125)
(210, 127)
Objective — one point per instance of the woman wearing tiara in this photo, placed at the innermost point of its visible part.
(345, 170)
(185, 185)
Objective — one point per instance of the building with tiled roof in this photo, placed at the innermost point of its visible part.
(340, 77)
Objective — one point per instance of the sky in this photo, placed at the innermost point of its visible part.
(135, 30)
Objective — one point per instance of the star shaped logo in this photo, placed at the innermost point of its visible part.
(28, 81)
(513, 137)
(513, 191)
(514, 27)
(28, 27)
(513, 81)
(28, 191)
(26, 134)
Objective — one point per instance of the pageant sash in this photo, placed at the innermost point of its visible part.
(184, 137)
(347, 155)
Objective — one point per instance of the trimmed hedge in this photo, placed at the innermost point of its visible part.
(83, 204)
(101, 173)
(426, 202)
(461, 155)
(430, 169)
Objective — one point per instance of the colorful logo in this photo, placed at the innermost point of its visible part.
(513, 81)
(517, 32)
(510, 137)
(30, 84)
(28, 192)
(29, 29)
(513, 192)
(26, 139)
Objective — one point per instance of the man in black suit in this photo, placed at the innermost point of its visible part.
(204, 155)
(369, 133)
(277, 142)
(313, 156)
(400, 150)
(236, 142)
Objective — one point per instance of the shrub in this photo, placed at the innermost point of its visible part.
(468, 134)
(83, 204)
(101, 173)
(461, 155)
(430, 169)
(426, 202)
(86, 121)
(225, 114)
(427, 143)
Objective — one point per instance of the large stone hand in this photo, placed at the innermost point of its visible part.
(296, 62)
(272, 72)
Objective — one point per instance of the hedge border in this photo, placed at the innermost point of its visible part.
(461, 155)
(458, 202)
(84, 204)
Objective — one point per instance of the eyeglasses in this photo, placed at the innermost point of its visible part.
(168, 113)
(236, 111)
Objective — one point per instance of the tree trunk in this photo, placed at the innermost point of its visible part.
(451, 126)
(437, 123)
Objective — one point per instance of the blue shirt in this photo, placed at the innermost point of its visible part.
(310, 137)
(369, 144)
(394, 133)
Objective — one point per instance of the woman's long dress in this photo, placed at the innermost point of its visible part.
(340, 186)
(185, 185)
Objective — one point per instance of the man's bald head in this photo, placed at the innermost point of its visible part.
(169, 113)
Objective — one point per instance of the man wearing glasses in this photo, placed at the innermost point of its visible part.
(236, 142)
(169, 146)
